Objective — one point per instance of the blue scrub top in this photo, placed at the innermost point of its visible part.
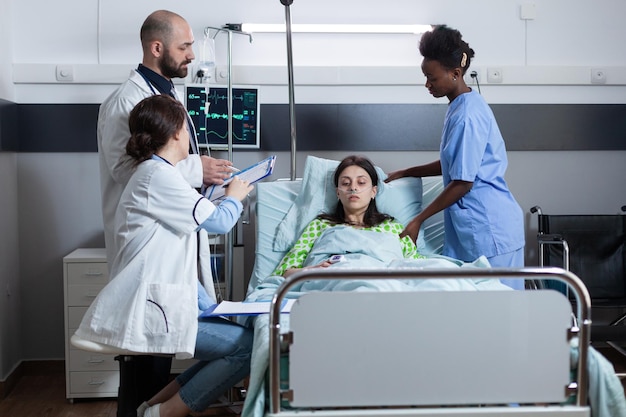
(487, 220)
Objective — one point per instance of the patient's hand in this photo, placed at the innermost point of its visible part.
(291, 271)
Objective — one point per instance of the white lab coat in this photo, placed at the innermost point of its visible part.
(151, 303)
(115, 166)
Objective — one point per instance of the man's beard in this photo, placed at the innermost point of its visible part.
(171, 69)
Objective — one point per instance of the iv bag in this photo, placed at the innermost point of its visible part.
(207, 59)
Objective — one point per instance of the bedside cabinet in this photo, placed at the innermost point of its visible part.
(89, 374)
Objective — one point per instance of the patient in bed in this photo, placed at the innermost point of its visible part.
(365, 238)
(355, 225)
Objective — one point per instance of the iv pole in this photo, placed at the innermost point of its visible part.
(292, 110)
(228, 238)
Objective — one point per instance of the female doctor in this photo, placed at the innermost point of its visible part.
(150, 306)
(481, 216)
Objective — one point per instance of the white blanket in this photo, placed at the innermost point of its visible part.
(256, 395)
(366, 249)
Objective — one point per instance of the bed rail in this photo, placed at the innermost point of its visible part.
(583, 309)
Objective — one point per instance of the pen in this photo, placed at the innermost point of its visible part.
(232, 168)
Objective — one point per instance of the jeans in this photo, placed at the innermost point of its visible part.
(223, 349)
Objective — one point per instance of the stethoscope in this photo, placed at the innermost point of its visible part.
(147, 82)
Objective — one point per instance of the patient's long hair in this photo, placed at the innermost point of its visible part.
(372, 216)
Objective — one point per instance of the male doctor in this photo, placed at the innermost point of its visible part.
(166, 40)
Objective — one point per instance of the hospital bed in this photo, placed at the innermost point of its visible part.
(364, 353)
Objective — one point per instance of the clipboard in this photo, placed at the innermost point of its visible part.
(244, 308)
(254, 173)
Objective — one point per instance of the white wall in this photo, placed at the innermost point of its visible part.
(545, 60)
(59, 200)
(10, 304)
(549, 53)
(6, 49)
(10, 335)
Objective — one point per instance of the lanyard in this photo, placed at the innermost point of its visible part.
(193, 146)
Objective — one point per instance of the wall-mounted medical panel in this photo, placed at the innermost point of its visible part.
(364, 127)
(8, 126)
(25, 73)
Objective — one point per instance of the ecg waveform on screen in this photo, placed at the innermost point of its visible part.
(208, 108)
(215, 97)
(224, 116)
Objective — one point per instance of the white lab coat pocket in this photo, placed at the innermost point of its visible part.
(162, 306)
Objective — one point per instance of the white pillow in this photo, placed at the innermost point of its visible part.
(401, 199)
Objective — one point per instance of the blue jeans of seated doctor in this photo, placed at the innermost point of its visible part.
(223, 349)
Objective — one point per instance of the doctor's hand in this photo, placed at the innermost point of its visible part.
(395, 175)
(215, 171)
(238, 189)
(412, 229)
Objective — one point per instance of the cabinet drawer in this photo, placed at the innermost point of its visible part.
(180, 365)
(74, 317)
(104, 382)
(82, 295)
(87, 273)
(81, 360)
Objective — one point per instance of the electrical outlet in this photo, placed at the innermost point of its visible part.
(494, 75)
(528, 11)
(598, 76)
(65, 73)
(472, 77)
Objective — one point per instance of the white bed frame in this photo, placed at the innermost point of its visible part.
(339, 367)
(432, 353)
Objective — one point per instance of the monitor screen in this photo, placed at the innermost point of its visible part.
(208, 108)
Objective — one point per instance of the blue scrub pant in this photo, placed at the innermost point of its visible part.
(513, 259)
(223, 349)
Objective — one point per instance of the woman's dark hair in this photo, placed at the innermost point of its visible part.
(372, 216)
(445, 45)
(152, 122)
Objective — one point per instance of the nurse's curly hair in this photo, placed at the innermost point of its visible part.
(152, 123)
(372, 216)
(446, 45)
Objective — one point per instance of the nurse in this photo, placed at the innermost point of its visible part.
(481, 216)
(150, 306)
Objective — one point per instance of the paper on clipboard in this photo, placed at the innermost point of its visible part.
(254, 173)
(243, 308)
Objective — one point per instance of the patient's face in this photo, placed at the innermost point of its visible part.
(355, 189)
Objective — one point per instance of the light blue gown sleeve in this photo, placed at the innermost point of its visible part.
(224, 217)
(204, 301)
(220, 221)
